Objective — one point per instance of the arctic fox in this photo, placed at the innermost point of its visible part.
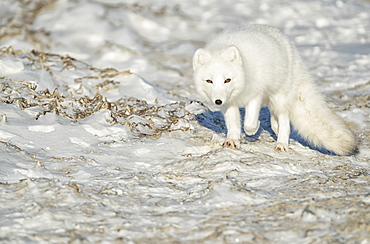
(256, 66)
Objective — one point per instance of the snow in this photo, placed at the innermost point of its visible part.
(104, 139)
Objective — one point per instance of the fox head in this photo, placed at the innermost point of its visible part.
(219, 75)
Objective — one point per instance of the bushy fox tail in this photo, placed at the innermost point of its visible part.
(315, 122)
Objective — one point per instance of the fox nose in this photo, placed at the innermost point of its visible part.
(218, 102)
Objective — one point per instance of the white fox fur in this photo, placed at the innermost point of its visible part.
(255, 66)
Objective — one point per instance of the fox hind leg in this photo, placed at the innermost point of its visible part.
(283, 129)
(274, 124)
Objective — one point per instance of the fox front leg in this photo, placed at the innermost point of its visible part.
(232, 120)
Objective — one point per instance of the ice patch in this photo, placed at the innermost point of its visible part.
(41, 128)
(79, 142)
(11, 173)
(322, 22)
(142, 151)
(135, 86)
(196, 151)
(5, 135)
(113, 131)
(8, 67)
(148, 28)
(223, 195)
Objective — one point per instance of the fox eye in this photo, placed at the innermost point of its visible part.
(227, 80)
(209, 81)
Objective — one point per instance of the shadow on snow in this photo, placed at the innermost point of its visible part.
(215, 121)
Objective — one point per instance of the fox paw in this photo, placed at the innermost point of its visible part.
(281, 147)
(232, 144)
(251, 130)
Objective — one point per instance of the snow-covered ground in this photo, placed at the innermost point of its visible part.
(103, 138)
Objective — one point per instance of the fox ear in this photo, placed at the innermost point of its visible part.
(201, 56)
(233, 55)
